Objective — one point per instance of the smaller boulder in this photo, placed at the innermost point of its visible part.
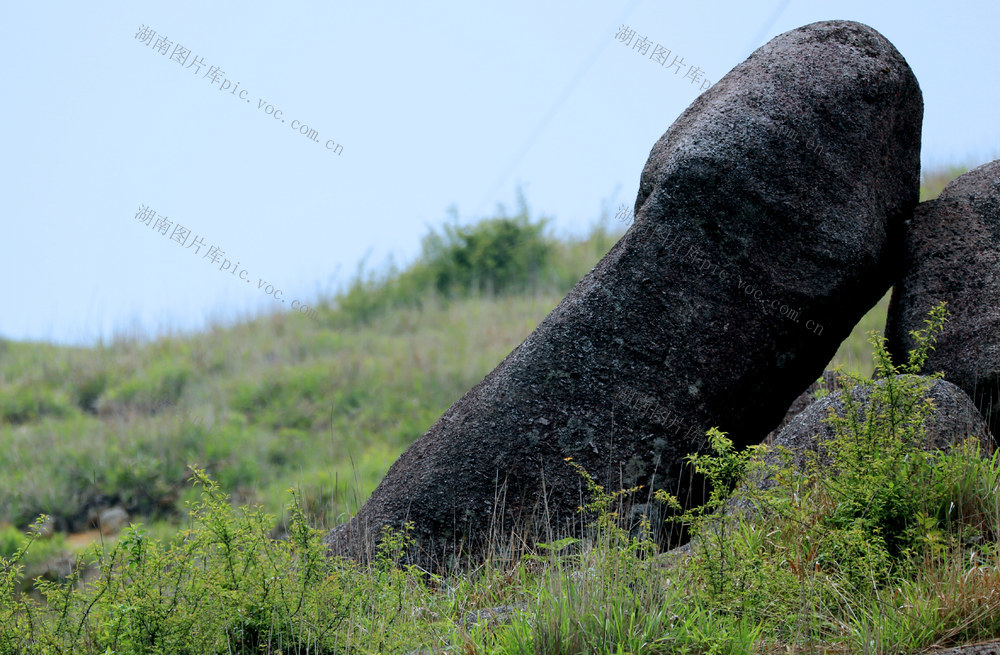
(830, 381)
(955, 419)
(111, 521)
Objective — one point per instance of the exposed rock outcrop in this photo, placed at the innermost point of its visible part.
(750, 259)
(955, 418)
(952, 254)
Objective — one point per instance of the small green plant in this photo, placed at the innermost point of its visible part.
(498, 255)
(16, 611)
(606, 524)
(723, 467)
(728, 558)
(871, 512)
(150, 391)
(879, 461)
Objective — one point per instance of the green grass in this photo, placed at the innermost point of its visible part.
(278, 401)
(325, 406)
(282, 400)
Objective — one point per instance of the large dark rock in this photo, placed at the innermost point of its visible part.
(751, 257)
(952, 254)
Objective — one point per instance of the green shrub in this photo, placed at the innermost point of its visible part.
(879, 487)
(21, 404)
(495, 255)
(835, 541)
(157, 387)
(294, 398)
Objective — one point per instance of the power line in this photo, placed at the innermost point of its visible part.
(537, 131)
(551, 112)
(768, 24)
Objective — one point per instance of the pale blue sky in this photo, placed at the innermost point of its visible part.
(434, 104)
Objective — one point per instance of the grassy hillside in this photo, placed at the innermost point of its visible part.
(323, 404)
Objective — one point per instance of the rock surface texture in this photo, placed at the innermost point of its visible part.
(952, 254)
(986, 648)
(829, 382)
(751, 257)
(955, 418)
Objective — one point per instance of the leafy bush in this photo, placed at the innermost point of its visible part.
(495, 255)
(837, 540)
(157, 387)
(21, 404)
(293, 398)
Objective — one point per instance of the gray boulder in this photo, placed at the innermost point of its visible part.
(952, 254)
(111, 521)
(829, 382)
(955, 418)
(750, 259)
(991, 647)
